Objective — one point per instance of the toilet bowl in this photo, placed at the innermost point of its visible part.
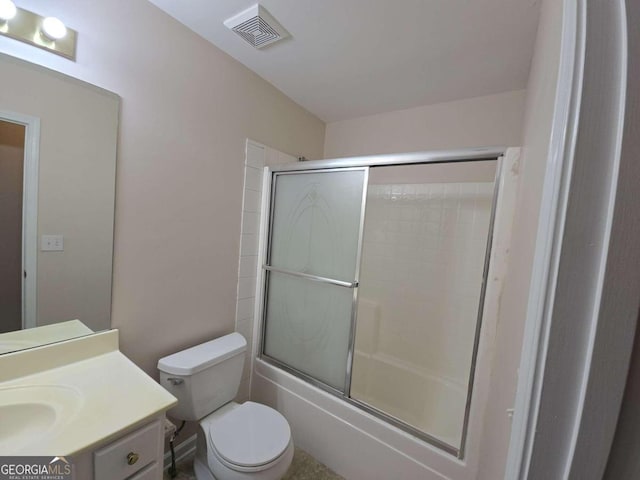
(247, 441)
(235, 441)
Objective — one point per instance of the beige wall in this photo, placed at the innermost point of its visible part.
(11, 168)
(493, 120)
(187, 109)
(76, 177)
(541, 90)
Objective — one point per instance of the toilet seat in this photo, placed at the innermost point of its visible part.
(250, 437)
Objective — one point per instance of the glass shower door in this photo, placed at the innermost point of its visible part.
(424, 261)
(312, 271)
(383, 313)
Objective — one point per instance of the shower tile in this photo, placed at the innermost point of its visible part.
(408, 191)
(466, 215)
(396, 191)
(249, 245)
(250, 222)
(252, 201)
(245, 328)
(485, 189)
(246, 287)
(255, 156)
(246, 369)
(452, 191)
(248, 266)
(245, 308)
(436, 191)
(465, 189)
(253, 179)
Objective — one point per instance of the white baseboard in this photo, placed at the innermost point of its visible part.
(182, 450)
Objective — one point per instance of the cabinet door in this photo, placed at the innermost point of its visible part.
(127, 455)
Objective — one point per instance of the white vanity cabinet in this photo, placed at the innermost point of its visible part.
(135, 455)
(109, 413)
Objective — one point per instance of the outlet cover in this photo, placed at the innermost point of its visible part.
(52, 243)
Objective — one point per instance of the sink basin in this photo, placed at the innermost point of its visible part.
(34, 413)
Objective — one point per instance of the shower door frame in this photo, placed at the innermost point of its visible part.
(358, 163)
(267, 267)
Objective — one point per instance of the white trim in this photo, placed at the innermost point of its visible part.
(183, 450)
(590, 443)
(583, 304)
(607, 237)
(548, 240)
(29, 213)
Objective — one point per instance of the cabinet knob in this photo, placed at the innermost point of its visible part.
(132, 458)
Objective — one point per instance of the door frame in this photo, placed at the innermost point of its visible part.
(29, 213)
(583, 299)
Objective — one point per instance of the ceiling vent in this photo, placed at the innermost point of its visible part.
(256, 26)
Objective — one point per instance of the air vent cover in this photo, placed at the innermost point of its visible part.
(256, 26)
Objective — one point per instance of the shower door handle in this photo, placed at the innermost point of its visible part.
(314, 278)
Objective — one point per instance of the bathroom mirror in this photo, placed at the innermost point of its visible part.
(58, 140)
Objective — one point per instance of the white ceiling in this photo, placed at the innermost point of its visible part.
(349, 58)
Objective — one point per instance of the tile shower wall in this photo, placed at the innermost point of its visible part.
(421, 275)
(257, 157)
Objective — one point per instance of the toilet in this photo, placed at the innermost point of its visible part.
(235, 441)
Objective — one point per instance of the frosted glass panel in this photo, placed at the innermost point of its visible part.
(316, 223)
(308, 326)
(425, 239)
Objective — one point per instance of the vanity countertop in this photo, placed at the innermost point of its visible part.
(95, 391)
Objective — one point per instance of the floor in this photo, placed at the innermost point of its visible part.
(303, 467)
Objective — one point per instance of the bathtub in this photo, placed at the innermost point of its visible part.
(430, 403)
(352, 442)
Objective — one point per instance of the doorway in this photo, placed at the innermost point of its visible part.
(19, 139)
(12, 137)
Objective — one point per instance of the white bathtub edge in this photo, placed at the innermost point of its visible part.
(348, 440)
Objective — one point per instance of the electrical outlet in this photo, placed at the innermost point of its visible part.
(52, 243)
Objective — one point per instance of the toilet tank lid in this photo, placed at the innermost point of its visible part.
(205, 355)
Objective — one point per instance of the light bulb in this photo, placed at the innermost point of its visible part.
(53, 29)
(8, 10)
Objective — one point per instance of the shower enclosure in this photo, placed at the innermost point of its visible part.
(374, 279)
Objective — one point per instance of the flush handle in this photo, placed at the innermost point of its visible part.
(132, 458)
(175, 381)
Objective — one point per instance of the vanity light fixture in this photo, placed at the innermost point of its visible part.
(8, 10)
(47, 33)
(53, 28)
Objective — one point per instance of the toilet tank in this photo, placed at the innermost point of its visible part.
(205, 377)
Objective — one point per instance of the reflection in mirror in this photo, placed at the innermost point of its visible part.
(35, 337)
(57, 184)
